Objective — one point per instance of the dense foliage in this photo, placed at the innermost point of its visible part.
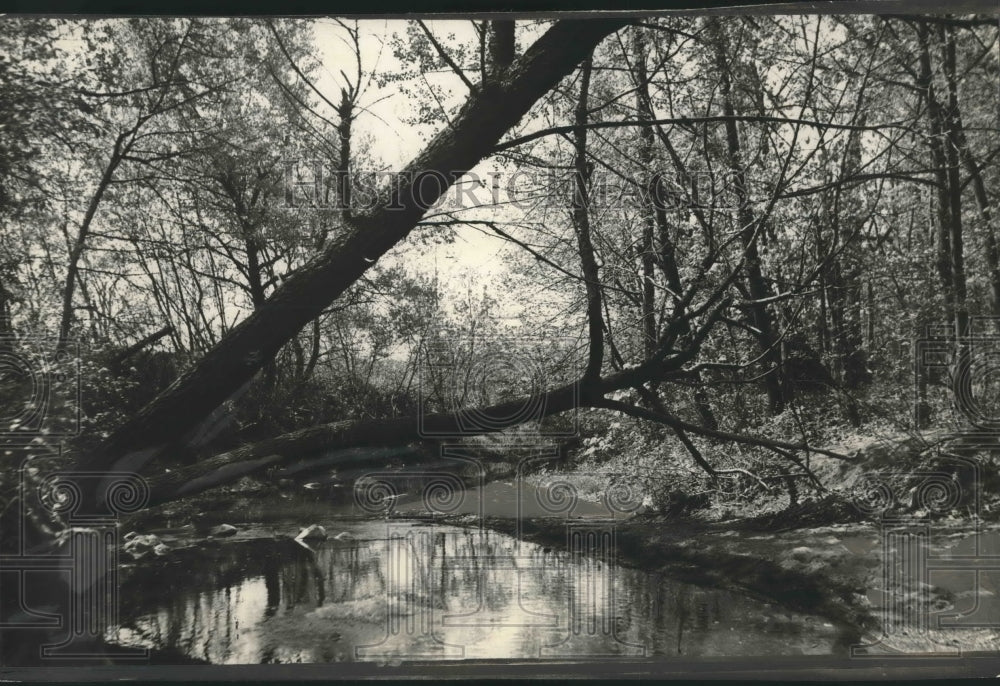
(759, 217)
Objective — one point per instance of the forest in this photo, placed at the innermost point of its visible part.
(726, 272)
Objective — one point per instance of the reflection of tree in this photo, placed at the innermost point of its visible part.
(187, 571)
(198, 591)
(352, 572)
(295, 583)
(272, 581)
(452, 571)
(303, 581)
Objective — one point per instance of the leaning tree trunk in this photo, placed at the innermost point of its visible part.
(228, 366)
(179, 412)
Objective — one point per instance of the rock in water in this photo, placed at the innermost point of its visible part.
(160, 550)
(140, 546)
(312, 533)
(222, 531)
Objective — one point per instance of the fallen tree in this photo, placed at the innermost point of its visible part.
(183, 413)
(175, 415)
(699, 305)
(319, 440)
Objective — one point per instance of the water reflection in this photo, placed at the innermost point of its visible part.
(410, 590)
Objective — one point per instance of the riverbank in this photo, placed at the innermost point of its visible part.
(836, 571)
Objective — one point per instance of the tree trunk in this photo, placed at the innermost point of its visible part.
(989, 225)
(241, 354)
(501, 46)
(647, 257)
(581, 222)
(660, 250)
(6, 325)
(80, 242)
(756, 283)
(935, 118)
(953, 125)
(344, 180)
(314, 442)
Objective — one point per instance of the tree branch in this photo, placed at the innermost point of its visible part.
(229, 365)
(690, 121)
(142, 343)
(447, 58)
(677, 423)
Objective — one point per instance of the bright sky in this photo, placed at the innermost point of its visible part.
(394, 141)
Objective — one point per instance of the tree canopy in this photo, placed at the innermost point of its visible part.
(701, 223)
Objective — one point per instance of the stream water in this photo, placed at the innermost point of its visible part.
(405, 588)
